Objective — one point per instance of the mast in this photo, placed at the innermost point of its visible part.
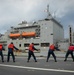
(48, 13)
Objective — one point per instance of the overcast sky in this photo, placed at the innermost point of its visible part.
(12, 12)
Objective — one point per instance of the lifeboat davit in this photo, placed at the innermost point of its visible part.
(25, 34)
(14, 35)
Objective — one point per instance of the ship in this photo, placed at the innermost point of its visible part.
(42, 33)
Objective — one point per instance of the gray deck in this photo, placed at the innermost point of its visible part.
(21, 67)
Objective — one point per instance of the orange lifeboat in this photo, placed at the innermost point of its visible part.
(14, 35)
(28, 34)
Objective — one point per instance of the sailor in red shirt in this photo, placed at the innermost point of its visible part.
(1, 53)
(51, 51)
(31, 52)
(70, 51)
(11, 51)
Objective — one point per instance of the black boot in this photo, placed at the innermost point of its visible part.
(65, 60)
(46, 60)
(55, 60)
(35, 60)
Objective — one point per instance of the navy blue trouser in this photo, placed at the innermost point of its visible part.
(51, 52)
(1, 55)
(12, 54)
(67, 54)
(30, 53)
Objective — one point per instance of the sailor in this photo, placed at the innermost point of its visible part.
(70, 51)
(51, 51)
(11, 51)
(31, 52)
(1, 53)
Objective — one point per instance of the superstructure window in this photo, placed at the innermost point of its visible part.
(26, 45)
(19, 45)
(36, 43)
(45, 44)
(4, 44)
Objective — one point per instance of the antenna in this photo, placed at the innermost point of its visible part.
(54, 14)
(47, 8)
(48, 13)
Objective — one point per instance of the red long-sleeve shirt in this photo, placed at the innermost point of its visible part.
(71, 48)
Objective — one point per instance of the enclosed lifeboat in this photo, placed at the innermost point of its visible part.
(14, 35)
(25, 34)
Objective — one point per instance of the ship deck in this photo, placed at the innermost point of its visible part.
(22, 67)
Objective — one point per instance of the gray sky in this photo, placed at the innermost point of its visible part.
(13, 12)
